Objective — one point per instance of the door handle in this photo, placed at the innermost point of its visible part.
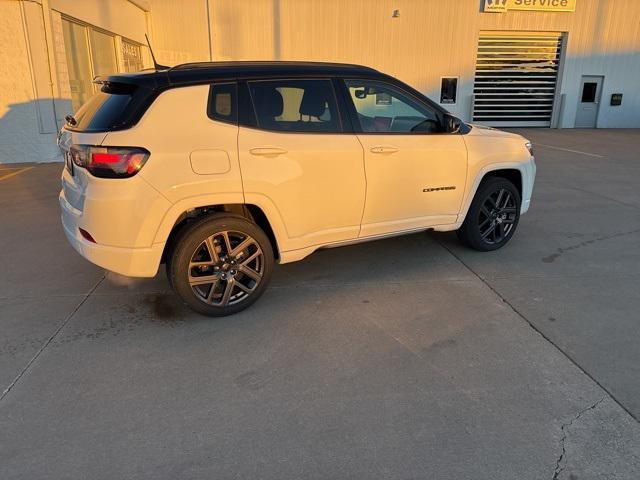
(267, 151)
(384, 149)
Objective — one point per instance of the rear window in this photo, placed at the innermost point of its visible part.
(106, 110)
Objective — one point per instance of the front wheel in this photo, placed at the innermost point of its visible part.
(493, 215)
(220, 265)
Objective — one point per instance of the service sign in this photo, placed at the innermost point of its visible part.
(500, 6)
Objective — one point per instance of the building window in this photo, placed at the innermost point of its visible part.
(78, 62)
(132, 56)
(383, 98)
(589, 92)
(103, 53)
(91, 52)
(448, 90)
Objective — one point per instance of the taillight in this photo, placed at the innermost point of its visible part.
(109, 162)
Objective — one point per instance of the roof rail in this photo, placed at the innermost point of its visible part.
(194, 65)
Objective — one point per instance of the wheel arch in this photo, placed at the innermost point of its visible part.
(512, 174)
(251, 212)
(512, 171)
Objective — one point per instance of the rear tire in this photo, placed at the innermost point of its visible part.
(492, 217)
(220, 265)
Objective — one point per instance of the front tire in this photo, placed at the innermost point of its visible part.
(220, 265)
(492, 217)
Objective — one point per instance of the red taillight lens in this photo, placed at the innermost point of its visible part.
(101, 158)
(109, 162)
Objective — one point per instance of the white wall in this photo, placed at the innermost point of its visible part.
(27, 126)
(430, 39)
(34, 82)
(116, 16)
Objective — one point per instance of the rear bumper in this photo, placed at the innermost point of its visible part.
(132, 262)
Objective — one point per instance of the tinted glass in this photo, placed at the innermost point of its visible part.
(448, 90)
(382, 108)
(589, 92)
(103, 111)
(223, 105)
(295, 105)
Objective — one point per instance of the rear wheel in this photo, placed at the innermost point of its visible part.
(493, 215)
(220, 265)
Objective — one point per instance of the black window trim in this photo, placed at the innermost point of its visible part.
(353, 114)
(253, 117)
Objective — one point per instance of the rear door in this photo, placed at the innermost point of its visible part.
(415, 173)
(299, 163)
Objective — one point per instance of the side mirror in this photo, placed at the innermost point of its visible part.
(451, 124)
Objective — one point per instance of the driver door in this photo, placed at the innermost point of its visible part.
(415, 173)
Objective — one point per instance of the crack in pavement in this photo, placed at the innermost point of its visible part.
(561, 250)
(51, 338)
(560, 468)
(537, 330)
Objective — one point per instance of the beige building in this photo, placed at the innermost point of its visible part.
(557, 63)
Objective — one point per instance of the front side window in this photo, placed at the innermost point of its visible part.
(295, 105)
(223, 105)
(382, 108)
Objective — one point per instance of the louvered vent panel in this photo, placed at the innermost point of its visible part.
(516, 78)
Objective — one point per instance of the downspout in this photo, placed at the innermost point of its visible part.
(209, 30)
(51, 55)
(48, 38)
(32, 73)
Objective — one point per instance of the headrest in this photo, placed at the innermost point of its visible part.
(270, 102)
(314, 102)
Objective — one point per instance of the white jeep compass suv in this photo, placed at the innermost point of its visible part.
(219, 170)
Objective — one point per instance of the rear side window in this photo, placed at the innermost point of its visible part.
(105, 110)
(295, 105)
(223, 103)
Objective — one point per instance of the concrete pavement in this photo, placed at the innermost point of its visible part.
(405, 358)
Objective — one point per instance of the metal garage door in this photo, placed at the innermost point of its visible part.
(516, 78)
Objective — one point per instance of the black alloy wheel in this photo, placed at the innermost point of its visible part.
(493, 215)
